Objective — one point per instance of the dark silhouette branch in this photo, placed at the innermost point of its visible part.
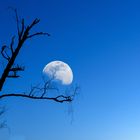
(4, 53)
(39, 33)
(42, 93)
(17, 21)
(10, 53)
(11, 45)
(23, 35)
(60, 98)
(11, 70)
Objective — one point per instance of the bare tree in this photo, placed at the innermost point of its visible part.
(11, 69)
(10, 53)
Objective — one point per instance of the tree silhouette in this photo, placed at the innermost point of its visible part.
(10, 53)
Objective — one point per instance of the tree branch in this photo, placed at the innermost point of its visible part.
(23, 35)
(4, 53)
(22, 29)
(39, 33)
(60, 98)
(17, 21)
(42, 93)
(11, 45)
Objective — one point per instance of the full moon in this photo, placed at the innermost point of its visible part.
(60, 71)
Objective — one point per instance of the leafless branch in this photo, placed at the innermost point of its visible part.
(11, 70)
(22, 29)
(17, 21)
(60, 98)
(23, 35)
(4, 53)
(11, 45)
(17, 68)
(35, 21)
(39, 33)
(42, 93)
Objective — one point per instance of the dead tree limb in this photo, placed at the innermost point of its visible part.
(23, 35)
(60, 98)
(11, 69)
(42, 93)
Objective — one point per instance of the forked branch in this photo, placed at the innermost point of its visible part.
(23, 35)
(60, 98)
(11, 70)
(43, 94)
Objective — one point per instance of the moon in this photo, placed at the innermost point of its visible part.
(60, 71)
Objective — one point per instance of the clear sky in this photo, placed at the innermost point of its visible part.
(100, 40)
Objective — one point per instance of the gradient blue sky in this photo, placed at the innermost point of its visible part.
(100, 40)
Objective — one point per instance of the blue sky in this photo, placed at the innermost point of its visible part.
(100, 40)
